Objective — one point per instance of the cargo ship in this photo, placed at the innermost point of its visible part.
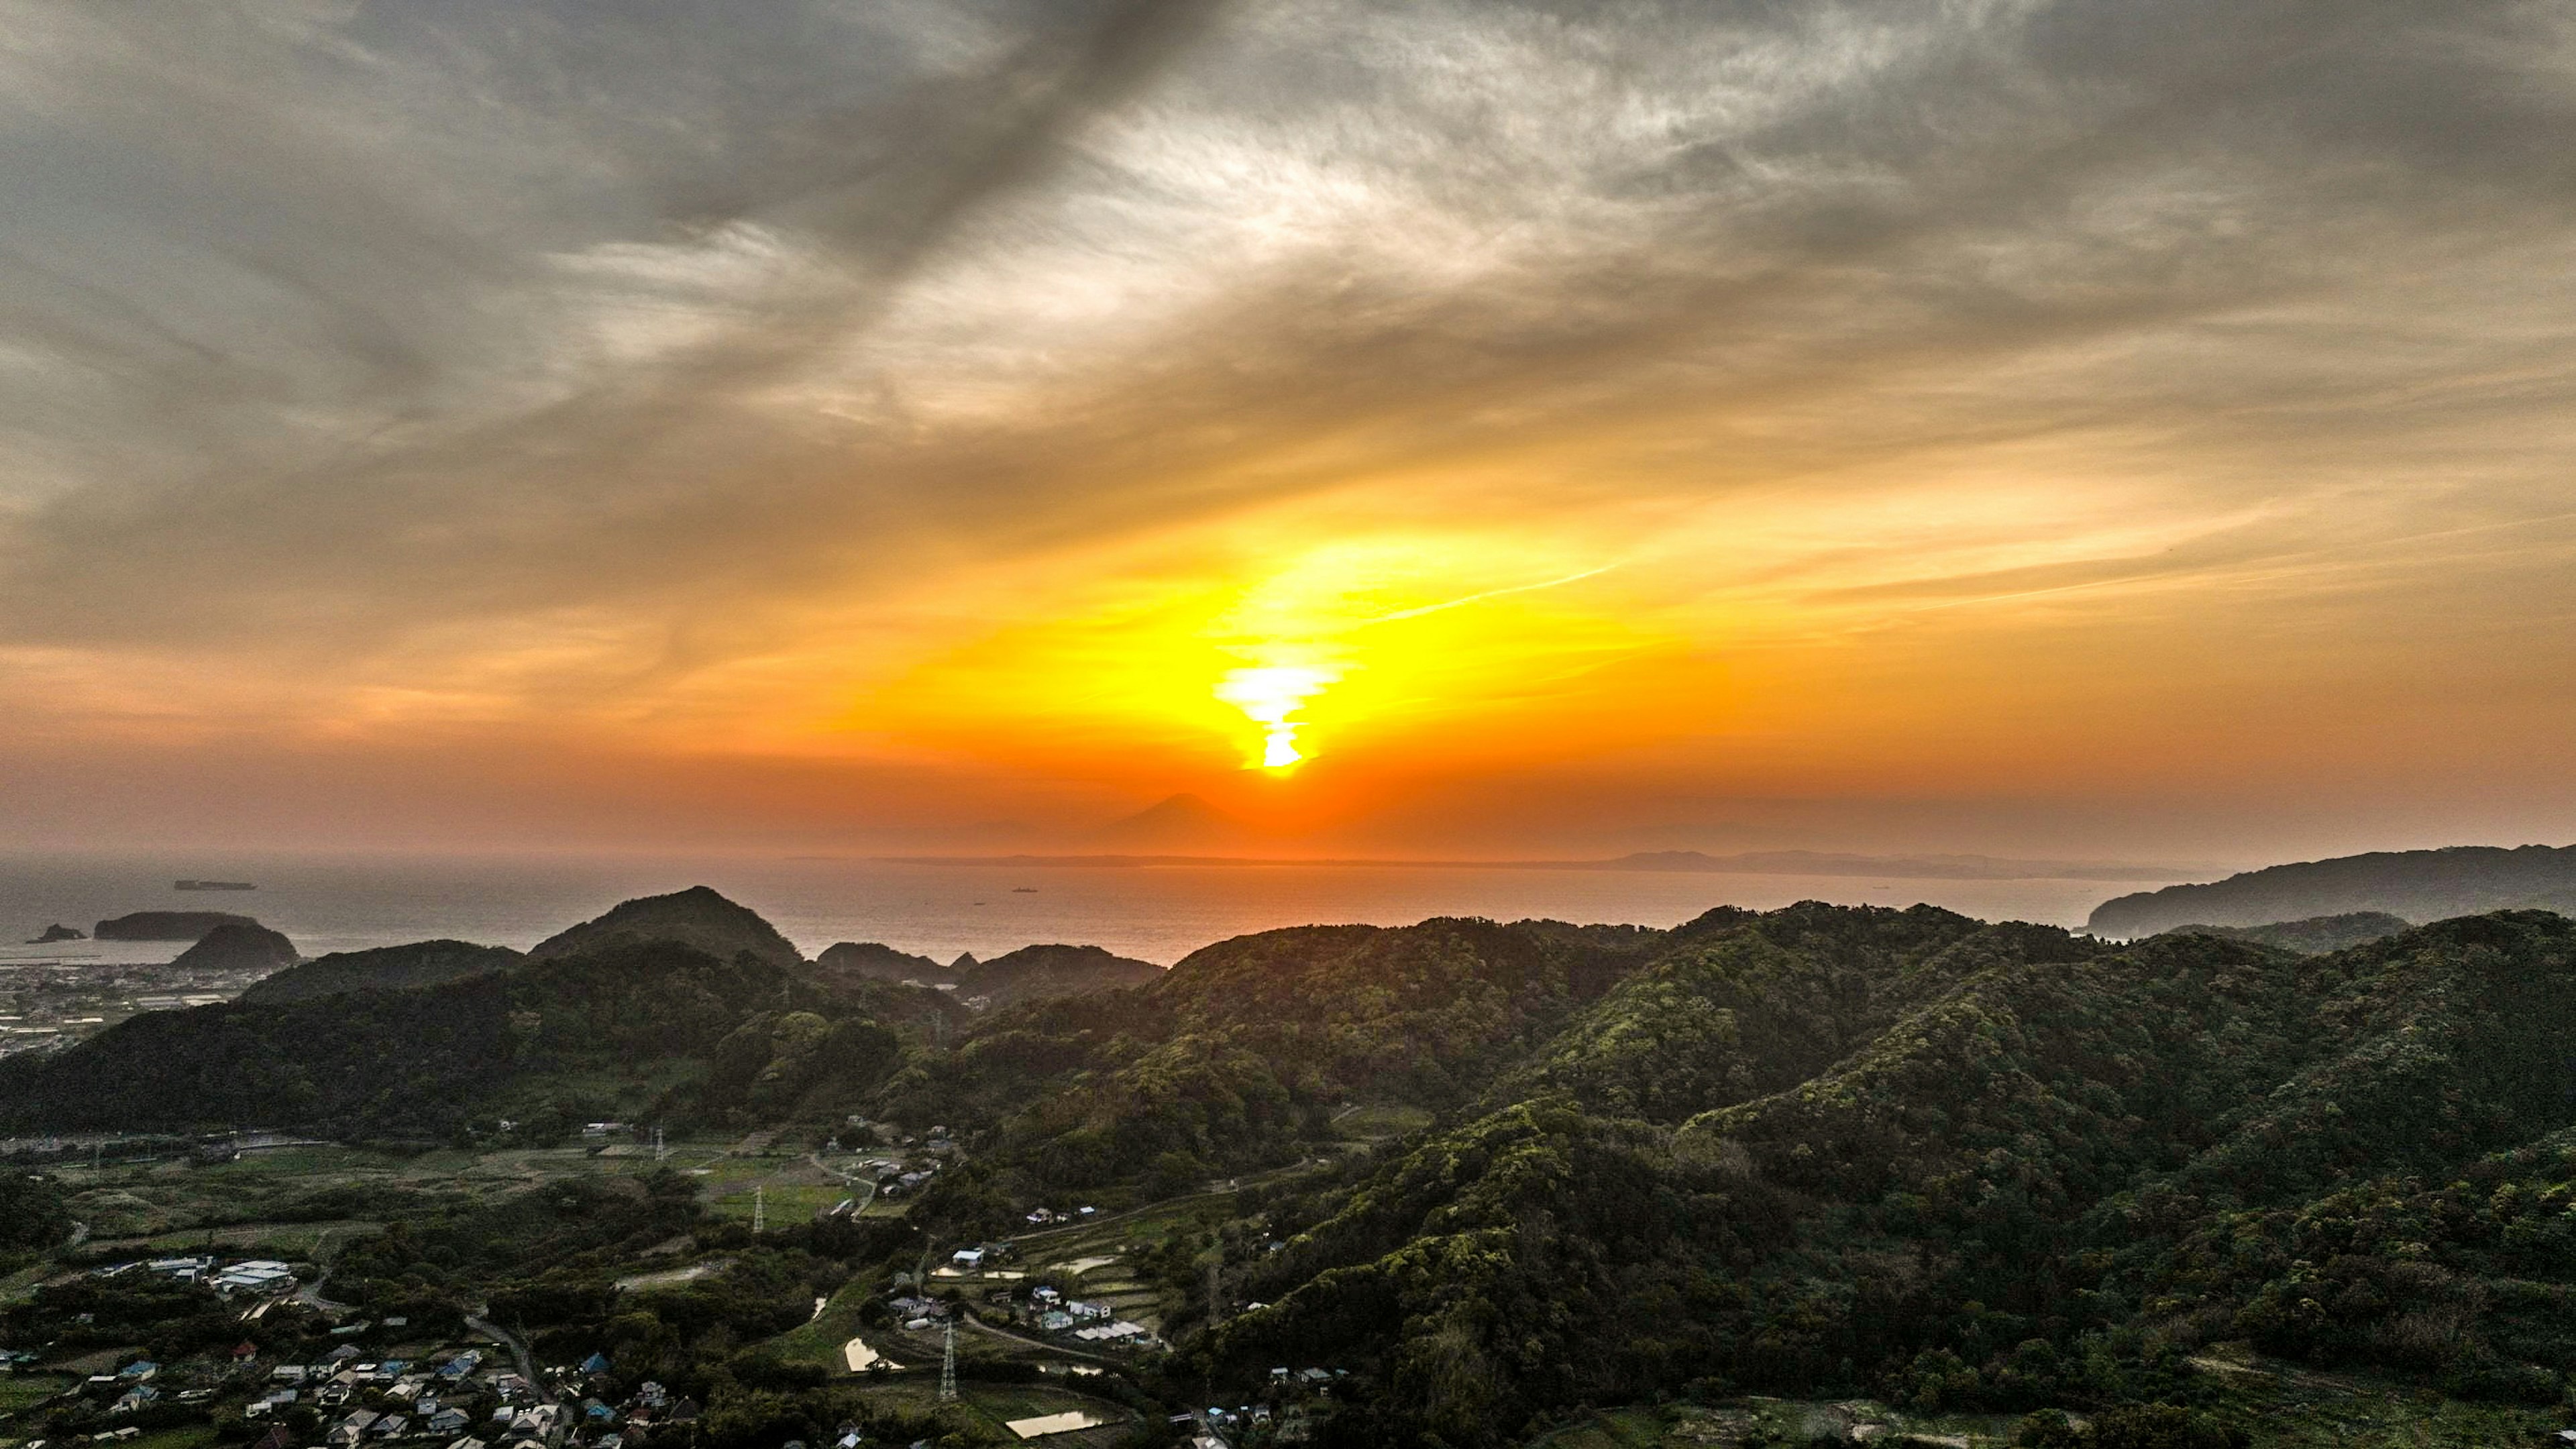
(214, 885)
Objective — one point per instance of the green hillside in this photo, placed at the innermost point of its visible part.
(1500, 1175)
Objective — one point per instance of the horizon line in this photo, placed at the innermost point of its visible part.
(1674, 862)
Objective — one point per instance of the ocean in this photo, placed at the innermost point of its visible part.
(1158, 913)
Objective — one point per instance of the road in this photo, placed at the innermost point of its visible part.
(981, 1326)
(518, 1352)
(848, 1179)
(311, 1293)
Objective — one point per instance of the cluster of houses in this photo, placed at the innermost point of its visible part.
(457, 1400)
(256, 1276)
(450, 1401)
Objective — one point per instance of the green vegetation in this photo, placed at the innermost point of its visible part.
(640, 1027)
(32, 1214)
(2314, 936)
(390, 968)
(1988, 1182)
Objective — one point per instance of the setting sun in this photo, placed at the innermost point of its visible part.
(1268, 697)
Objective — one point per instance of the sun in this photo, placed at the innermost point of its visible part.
(1270, 697)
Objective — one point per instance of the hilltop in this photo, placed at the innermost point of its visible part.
(240, 946)
(2418, 885)
(1031, 973)
(386, 968)
(696, 917)
(2312, 937)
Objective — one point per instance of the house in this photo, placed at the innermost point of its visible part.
(466, 1444)
(1090, 1312)
(967, 1257)
(140, 1371)
(1055, 1320)
(244, 1352)
(135, 1398)
(276, 1438)
(445, 1421)
(353, 1428)
(391, 1426)
(1045, 1297)
(597, 1363)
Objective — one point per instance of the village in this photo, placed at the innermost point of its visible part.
(1025, 1336)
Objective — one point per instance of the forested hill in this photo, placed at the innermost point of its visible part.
(1965, 1167)
(2419, 885)
(423, 963)
(685, 1008)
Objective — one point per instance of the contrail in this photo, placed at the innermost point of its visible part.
(1487, 594)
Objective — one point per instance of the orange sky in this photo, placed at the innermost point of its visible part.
(1462, 430)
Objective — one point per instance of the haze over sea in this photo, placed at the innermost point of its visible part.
(1158, 913)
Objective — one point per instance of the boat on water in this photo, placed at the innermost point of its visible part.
(213, 885)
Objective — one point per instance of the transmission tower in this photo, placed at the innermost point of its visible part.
(759, 1208)
(659, 1151)
(948, 1367)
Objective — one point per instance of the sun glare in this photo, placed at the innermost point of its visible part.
(1269, 696)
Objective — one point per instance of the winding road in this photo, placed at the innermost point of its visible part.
(518, 1351)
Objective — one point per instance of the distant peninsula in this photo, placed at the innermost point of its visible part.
(2419, 885)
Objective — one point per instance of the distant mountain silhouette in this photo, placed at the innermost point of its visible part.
(167, 925)
(59, 932)
(1178, 823)
(696, 917)
(240, 946)
(2419, 885)
(387, 968)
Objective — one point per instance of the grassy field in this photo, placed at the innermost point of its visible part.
(820, 1342)
(20, 1391)
(1376, 1123)
(990, 1406)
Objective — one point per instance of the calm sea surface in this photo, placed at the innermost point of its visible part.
(1158, 913)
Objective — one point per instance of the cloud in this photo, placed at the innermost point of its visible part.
(573, 357)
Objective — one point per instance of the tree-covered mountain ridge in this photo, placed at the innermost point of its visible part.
(2038, 1169)
(2419, 885)
(1818, 1151)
